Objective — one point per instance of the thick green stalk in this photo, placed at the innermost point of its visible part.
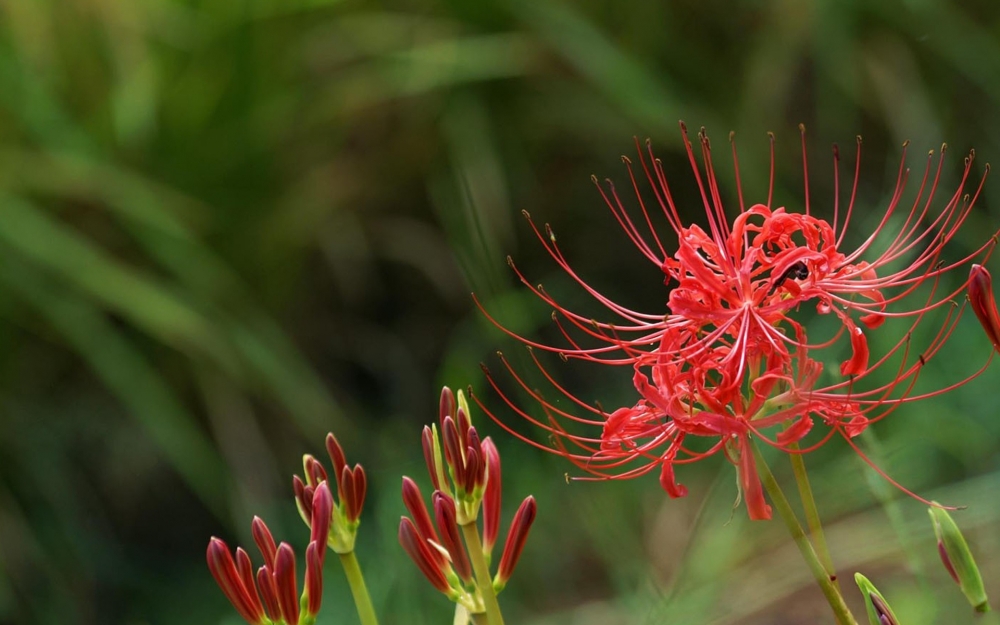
(480, 618)
(483, 578)
(363, 602)
(830, 590)
(812, 514)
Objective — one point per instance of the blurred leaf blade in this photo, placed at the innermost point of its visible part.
(129, 375)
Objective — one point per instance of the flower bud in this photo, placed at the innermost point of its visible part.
(303, 501)
(269, 592)
(245, 569)
(265, 542)
(432, 456)
(226, 574)
(313, 470)
(353, 488)
(446, 407)
(957, 558)
(491, 498)
(516, 538)
(879, 612)
(284, 579)
(314, 576)
(337, 457)
(463, 405)
(420, 552)
(452, 450)
(322, 512)
(421, 520)
(444, 514)
(980, 292)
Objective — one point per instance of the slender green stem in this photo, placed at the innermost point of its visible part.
(812, 514)
(830, 590)
(483, 578)
(363, 602)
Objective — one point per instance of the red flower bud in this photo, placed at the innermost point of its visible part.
(284, 579)
(313, 470)
(431, 457)
(980, 292)
(420, 552)
(337, 456)
(353, 487)
(444, 513)
(491, 499)
(269, 592)
(223, 569)
(452, 451)
(447, 405)
(464, 424)
(314, 576)
(265, 542)
(322, 514)
(473, 471)
(516, 538)
(245, 569)
(414, 503)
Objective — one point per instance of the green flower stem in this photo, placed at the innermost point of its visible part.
(483, 578)
(812, 514)
(989, 618)
(830, 590)
(480, 618)
(363, 602)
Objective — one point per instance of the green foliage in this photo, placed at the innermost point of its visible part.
(229, 226)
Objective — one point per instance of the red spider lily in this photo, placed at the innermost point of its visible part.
(731, 359)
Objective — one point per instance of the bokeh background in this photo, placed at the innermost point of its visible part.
(230, 226)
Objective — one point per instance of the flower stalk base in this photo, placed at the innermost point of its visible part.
(812, 515)
(363, 602)
(829, 587)
(483, 578)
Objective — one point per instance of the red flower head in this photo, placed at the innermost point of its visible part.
(731, 358)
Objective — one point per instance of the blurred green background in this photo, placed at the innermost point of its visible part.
(229, 226)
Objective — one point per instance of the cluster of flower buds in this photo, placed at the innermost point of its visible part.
(466, 476)
(352, 485)
(271, 597)
(957, 558)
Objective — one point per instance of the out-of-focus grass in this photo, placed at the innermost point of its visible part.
(227, 227)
